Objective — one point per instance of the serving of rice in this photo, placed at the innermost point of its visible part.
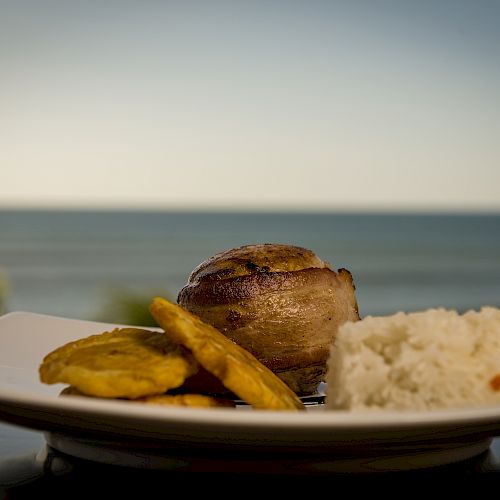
(416, 361)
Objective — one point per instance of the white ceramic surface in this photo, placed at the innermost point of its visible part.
(128, 433)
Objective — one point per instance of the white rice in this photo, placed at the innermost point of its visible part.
(416, 361)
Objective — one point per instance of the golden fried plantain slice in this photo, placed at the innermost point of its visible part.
(188, 399)
(237, 369)
(126, 362)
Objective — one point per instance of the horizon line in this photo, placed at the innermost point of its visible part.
(224, 209)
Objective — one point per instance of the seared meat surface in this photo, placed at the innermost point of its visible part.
(280, 302)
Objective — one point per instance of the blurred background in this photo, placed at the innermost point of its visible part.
(139, 138)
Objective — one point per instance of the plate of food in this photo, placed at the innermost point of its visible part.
(407, 391)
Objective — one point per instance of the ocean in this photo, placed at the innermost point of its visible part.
(69, 263)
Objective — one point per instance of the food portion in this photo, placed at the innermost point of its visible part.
(266, 324)
(123, 363)
(182, 399)
(152, 367)
(416, 361)
(282, 303)
(188, 399)
(237, 369)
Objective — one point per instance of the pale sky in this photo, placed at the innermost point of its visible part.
(257, 104)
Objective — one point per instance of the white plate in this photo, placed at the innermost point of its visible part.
(162, 437)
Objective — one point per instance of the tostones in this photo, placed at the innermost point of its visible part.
(188, 399)
(238, 370)
(123, 363)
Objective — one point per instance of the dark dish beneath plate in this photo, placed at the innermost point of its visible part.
(268, 460)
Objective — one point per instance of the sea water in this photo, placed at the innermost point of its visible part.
(66, 263)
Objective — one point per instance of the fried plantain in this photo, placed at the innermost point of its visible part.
(238, 370)
(188, 399)
(123, 363)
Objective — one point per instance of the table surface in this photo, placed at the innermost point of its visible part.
(28, 467)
